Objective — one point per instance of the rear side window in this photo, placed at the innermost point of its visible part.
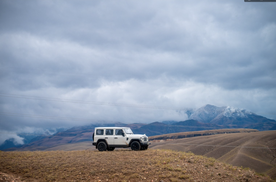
(109, 132)
(118, 132)
(99, 132)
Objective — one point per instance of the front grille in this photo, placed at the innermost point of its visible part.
(145, 139)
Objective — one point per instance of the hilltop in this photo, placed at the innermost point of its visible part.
(240, 147)
(119, 165)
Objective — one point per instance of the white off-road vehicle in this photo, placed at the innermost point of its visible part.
(109, 138)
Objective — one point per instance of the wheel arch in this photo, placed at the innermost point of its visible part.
(101, 140)
(132, 140)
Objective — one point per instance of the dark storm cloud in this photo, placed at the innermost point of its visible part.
(133, 53)
(196, 41)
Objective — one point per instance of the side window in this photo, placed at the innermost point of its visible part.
(118, 132)
(109, 132)
(99, 132)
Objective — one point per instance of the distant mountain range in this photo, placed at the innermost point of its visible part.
(208, 117)
(232, 118)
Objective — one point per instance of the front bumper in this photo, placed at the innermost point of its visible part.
(143, 144)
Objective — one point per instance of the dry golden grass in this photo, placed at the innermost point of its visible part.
(119, 165)
(73, 146)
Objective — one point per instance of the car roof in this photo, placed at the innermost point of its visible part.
(110, 127)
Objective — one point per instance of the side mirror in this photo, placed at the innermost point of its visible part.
(123, 134)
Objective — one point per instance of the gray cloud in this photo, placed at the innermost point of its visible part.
(135, 56)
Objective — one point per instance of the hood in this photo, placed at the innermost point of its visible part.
(136, 135)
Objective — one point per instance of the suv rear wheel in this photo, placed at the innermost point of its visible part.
(135, 145)
(102, 146)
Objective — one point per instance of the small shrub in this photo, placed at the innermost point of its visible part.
(184, 177)
(177, 169)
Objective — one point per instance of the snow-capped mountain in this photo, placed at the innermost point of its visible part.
(236, 113)
(231, 117)
(207, 113)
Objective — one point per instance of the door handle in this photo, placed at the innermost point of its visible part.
(115, 138)
(106, 137)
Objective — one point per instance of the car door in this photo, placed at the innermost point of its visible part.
(109, 136)
(119, 139)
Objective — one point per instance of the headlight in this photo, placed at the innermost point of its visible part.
(144, 139)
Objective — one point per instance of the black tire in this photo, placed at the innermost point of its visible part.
(102, 146)
(135, 145)
(111, 148)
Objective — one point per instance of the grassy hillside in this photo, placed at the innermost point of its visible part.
(199, 133)
(256, 150)
(248, 148)
(119, 165)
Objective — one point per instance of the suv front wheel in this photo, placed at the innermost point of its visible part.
(102, 146)
(135, 145)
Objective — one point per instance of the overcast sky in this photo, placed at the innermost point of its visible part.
(67, 63)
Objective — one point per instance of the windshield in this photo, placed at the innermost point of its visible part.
(128, 131)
